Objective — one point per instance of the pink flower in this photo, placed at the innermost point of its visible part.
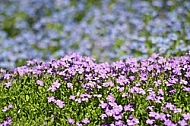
(186, 89)
(69, 85)
(86, 121)
(57, 84)
(78, 124)
(71, 121)
(51, 99)
(128, 108)
(186, 116)
(39, 82)
(52, 88)
(132, 122)
(182, 123)
(103, 116)
(10, 106)
(177, 110)
(103, 105)
(150, 121)
(60, 103)
(110, 98)
(7, 85)
(72, 97)
(5, 109)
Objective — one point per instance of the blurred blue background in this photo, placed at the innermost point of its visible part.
(107, 30)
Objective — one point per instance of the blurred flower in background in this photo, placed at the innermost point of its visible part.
(107, 30)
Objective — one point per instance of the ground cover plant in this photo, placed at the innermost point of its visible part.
(107, 30)
(76, 90)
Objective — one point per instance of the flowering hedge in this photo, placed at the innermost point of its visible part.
(75, 90)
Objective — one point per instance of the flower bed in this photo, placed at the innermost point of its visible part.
(75, 90)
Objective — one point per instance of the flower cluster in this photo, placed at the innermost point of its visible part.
(54, 86)
(6, 122)
(84, 121)
(6, 108)
(39, 82)
(59, 103)
(152, 91)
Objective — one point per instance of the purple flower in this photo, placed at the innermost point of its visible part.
(187, 74)
(60, 103)
(39, 82)
(85, 97)
(161, 60)
(110, 98)
(151, 96)
(109, 111)
(132, 122)
(183, 82)
(182, 123)
(186, 89)
(119, 123)
(137, 90)
(56, 84)
(69, 85)
(10, 106)
(128, 108)
(168, 115)
(126, 95)
(162, 116)
(51, 99)
(7, 122)
(177, 110)
(120, 89)
(97, 95)
(154, 114)
(7, 76)
(132, 78)
(168, 122)
(7, 85)
(122, 80)
(108, 84)
(157, 83)
(78, 124)
(143, 77)
(150, 108)
(160, 91)
(86, 121)
(30, 62)
(170, 106)
(118, 109)
(72, 97)
(5, 109)
(71, 121)
(52, 88)
(103, 116)
(172, 90)
(104, 124)
(118, 117)
(157, 116)
(168, 84)
(52, 116)
(79, 100)
(186, 116)
(150, 121)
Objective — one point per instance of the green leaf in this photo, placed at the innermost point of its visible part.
(27, 97)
